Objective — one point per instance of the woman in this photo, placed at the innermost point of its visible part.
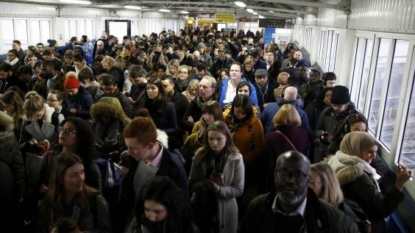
(192, 90)
(204, 56)
(109, 64)
(217, 179)
(324, 183)
(249, 70)
(37, 129)
(161, 110)
(69, 196)
(162, 208)
(13, 106)
(75, 136)
(287, 135)
(359, 181)
(79, 99)
(211, 111)
(172, 67)
(87, 80)
(182, 80)
(314, 109)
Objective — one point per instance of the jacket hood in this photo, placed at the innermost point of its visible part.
(163, 138)
(109, 106)
(346, 167)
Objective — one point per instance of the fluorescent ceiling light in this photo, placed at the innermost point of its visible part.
(133, 7)
(164, 10)
(271, 11)
(240, 4)
(255, 13)
(76, 2)
(261, 17)
(184, 12)
(250, 10)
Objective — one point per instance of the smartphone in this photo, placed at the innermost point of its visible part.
(117, 166)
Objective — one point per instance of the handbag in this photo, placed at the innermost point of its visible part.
(288, 140)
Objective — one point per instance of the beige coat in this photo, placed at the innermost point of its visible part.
(233, 187)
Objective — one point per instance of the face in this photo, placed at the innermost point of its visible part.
(137, 150)
(37, 70)
(248, 67)
(67, 134)
(168, 87)
(109, 89)
(39, 114)
(369, 154)
(291, 181)
(239, 113)
(48, 57)
(4, 74)
(235, 72)
(205, 89)
(100, 45)
(183, 74)
(327, 98)
(7, 107)
(314, 77)
(216, 140)
(208, 117)
(152, 91)
(223, 75)
(298, 55)
(16, 46)
(358, 126)
(72, 92)
(105, 65)
(11, 56)
(74, 178)
(270, 57)
(330, 83)
(138, 80)
(47, 72)
(25, 77)
(78, 64)
(172, 69)
(40, 48)
(261, 80)
(221, 56)
(339, 108)
(181, 55)
(53, 101)
(315, 183)
(244, 90)
(302, 72)
(201, 73)
(154, 211)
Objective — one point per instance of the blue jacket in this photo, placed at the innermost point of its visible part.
(224, 87)
(82, 102)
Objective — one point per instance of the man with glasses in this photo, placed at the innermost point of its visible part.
(293, 207)
(332, 120)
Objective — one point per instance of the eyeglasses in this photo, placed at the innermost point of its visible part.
(67, 131)
(314, 184)
(298, 175)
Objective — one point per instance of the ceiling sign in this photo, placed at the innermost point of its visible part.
(224, 18)
(206, 21)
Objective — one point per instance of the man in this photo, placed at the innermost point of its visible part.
(220, 63)
(301, 61)
(293, 207)
(180, 104)
(303, 76)
(290, 96)
(201, 72)
(80, 63)
(258, 62)
(207, 87)
(109, 86)
(18, 47)
(54, 77)
(307, 90)
(7, 77)
(331, 121)
(264, 91)
(227, 89)
(40, 48)
(100, 48)
(273, 67)
(151, 158)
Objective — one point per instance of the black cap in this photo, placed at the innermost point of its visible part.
(340, 95)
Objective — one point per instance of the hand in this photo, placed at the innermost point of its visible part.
(402, 175)
(122, 170)
(210, 185)
(190, 119)
(43, 188)
(32, 141)
(326, 137)
(73, 110)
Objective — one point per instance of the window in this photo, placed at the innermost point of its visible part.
(14, 29)
(328, 50)
(320, 47)
(308, 36)
(380, 76)
(394, 91)
(333, 52)
(39, 31)
(78, 28)
(365, 72)
(407, 155)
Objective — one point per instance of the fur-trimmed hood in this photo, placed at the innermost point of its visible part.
(6, 130)
(109, 106)
(348, 167)
(163, 138)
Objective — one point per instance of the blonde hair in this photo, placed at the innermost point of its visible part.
(33, 103)
(331, 191)
(248, 61)
(194, 83)
(109, 60)
(172, 63)
(180, 68)
(211, 80)
(283, 75)
(287, 115)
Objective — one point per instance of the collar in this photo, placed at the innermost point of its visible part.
(157, 160)
(300, 209)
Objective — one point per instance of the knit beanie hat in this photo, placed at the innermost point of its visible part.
(71, 81)
(201, 45)
(340, 95)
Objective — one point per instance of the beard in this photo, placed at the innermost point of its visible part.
(292, 196)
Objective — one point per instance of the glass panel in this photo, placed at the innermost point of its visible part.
(327, 55)
(7, 34)
(407, 156)
(320, 47)
(365, 74)
(21, 33)
(34, 32)
(324, 46)
(72, 30)
(380, 76)
(67, 33)
(394, 91)
(89, 29)
(333, 52)
(45, 31)
(81, 29)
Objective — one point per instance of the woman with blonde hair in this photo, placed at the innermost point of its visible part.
(13, 106)
(183, 78)
(110, 65)
(192, 90)
(286, 136)
(172, 67)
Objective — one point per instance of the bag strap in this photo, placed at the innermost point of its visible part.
(288, 140)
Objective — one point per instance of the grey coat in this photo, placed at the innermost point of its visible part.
(234, 179)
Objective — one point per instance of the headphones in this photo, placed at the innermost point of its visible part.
(283, 91)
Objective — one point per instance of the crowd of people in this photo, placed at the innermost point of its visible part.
(204, 131)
